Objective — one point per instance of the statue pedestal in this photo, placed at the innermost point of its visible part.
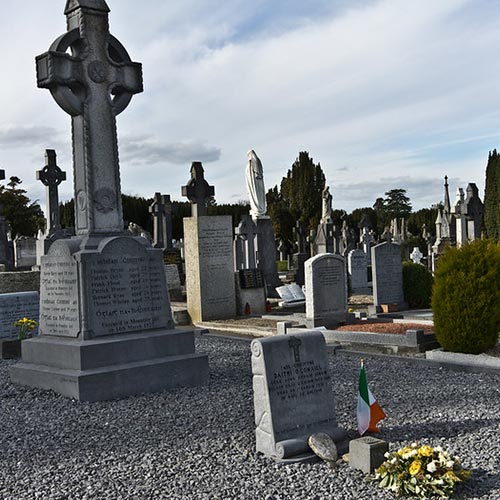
(266, 255)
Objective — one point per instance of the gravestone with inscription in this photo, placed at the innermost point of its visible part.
(106, 327)
(14, 306)
(173, 282)
(326, 290)
(387, 275)
(293, 396)
(358, 271)
(208, 249)
(250, 291)
(161, 211)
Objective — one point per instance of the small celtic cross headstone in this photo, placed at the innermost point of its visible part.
(197, 190)
(51, 176)
(294, 344)
(161, 210)
(93, 84)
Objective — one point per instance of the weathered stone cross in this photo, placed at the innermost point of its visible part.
(197, 190)
(161, 210)
(93, 84)
(51, 176)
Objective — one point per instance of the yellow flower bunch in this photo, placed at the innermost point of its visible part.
(24, 325)
(423, 471)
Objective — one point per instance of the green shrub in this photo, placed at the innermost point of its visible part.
(466, 298)
(417, 285)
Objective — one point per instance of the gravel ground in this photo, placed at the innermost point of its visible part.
(198, 443)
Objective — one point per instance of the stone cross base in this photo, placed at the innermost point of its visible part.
(112, 367)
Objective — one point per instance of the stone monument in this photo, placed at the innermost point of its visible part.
(106, 328)
(358, 272)
(24, 252)
(293, 396)
(161, 210)
(51, 177)
(387, 274)
(326, 290)
(208, 249)
(265, 247)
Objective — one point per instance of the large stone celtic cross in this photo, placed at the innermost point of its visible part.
(93, 84)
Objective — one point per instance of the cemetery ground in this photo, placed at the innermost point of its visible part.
(199, 443)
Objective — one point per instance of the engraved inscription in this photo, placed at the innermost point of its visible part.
(59, 314)
(127, 293)
(14, 306)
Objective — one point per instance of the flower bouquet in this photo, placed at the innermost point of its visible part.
(421, 471)
(24, 326)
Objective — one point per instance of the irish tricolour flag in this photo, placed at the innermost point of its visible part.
(369, 411)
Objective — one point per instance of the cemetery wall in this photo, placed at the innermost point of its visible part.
(28, 281)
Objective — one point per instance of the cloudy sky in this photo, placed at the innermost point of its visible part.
(383, 93)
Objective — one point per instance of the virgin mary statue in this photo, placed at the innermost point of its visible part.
(255, 186)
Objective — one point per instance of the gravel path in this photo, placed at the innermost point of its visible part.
(197, 444)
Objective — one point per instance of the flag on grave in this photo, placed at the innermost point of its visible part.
(369, 412)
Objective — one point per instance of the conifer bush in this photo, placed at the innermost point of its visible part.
(466, 298)
(417, 285)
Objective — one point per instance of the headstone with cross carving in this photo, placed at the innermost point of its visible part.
(293, 396)
(161, 210)
(209, 255)
(106, 326)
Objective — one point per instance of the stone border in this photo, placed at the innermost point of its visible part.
(463, 359)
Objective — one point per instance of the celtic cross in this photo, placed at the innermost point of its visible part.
(197, 190)
(51, 176)
(161, 210)
(93, 84)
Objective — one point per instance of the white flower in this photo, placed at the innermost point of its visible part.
(438, 448)
(387, 454)
(450, 464)
(393, 460)
(414, 445)
(409, 454)
(431, 466)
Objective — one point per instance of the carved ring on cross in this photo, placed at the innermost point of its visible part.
(72, 97)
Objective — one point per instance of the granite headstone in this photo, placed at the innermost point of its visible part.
(14, 306)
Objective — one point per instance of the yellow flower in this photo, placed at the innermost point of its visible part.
(425, 451)
(415, 467)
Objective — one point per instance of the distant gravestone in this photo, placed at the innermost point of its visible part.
(173, 281)
(24, 252)
(326, 290)
(416, 255)
(293, 396)
(387, 274)
(161, 211)
(14, 306)
(358, 271)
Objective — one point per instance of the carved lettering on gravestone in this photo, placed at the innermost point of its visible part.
(14, 306)
(251, 278)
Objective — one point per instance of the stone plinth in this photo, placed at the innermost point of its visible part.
(266, 255)
(367, 453)
(106, 328)
(326, 290)
(208, 247)
(292, 395)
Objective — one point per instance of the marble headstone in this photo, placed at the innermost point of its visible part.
(326, 290)
(293, 396)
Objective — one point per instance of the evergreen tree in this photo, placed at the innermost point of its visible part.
(24, 216)
(299, 197)
(492, 196)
